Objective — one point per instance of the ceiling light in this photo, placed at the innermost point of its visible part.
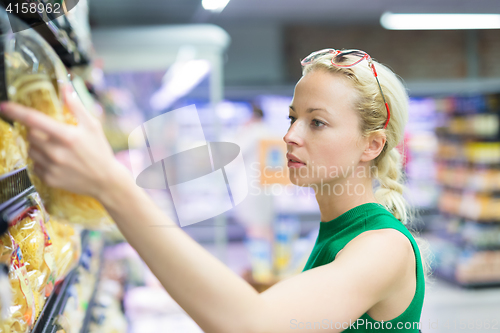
(393, 21)
(181, 78)
(214, 5)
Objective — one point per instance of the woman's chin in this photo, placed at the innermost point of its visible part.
(299, 181)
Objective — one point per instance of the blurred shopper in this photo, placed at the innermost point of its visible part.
(365, 272)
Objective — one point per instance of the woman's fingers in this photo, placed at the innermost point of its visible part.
(37, 137)
(76, 106)
(38, 157)
(40, 171)
(47, 165)
(35, 120)
(46, 175)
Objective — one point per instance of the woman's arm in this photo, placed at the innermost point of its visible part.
(79, 159)
(213, 295)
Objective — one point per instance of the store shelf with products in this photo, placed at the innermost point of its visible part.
(40, 295)
(53, 262)
(466, 240)
(60, 309)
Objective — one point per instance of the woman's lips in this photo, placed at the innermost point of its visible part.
(294, 162)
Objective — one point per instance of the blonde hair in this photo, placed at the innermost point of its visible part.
(373, 115)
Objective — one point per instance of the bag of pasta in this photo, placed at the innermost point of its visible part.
(49, 263)
(10, 151)
(66, 243)
(22, 308)
(29, 235)
(35, 77)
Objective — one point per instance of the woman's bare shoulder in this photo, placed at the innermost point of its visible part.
(380, 238)
(392, 249)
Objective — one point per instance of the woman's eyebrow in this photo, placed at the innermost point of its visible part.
(309, 110)
(315, 109)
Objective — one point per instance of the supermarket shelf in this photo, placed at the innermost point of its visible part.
(467, 137)
(458, 241)
(461, 189)
(56, 303)
(54, 306)
(464, 162)
(88, 315)
(15, 187)
(472, 285)
(450, 251)
(465, 218)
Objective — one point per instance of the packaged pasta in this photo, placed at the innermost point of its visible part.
(22, 309)
(28, 234)
(49, 262)
(66, 244)
(35, 77)
(10, 151)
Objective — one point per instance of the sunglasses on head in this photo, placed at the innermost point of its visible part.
(346, 59)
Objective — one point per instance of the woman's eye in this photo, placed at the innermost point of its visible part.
(318, 123)
(292, 119)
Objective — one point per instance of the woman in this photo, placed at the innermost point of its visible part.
(365, 272)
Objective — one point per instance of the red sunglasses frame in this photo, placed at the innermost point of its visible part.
(363, 56)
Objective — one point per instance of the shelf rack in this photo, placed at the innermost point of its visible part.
(460, 133)
(54, 306)
(15, 187)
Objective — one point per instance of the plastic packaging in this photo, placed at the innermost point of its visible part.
(49, 266)
(35, 77)
(28, 234)
(10, 153)
(21, 311)
(66, 246)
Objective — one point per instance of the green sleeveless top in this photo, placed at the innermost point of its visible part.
(332, 238)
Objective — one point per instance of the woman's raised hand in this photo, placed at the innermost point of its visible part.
(75, 158)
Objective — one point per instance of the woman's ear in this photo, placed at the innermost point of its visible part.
(374, 145)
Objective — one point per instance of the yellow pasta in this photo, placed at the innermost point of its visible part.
(36, 279)
(66, 243)
(78, 209)
(29, 235)
(20, 313)
(10, 154)
(38, 92)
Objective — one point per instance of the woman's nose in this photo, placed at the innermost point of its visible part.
(293, 136)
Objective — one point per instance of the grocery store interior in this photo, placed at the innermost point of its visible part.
(229, 68)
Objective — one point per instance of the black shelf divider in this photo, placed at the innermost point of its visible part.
(55, 305)
(15, 187)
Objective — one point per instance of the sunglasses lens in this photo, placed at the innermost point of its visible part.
(315, 55)
(348, 58)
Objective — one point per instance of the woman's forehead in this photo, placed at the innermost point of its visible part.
(323, 90)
